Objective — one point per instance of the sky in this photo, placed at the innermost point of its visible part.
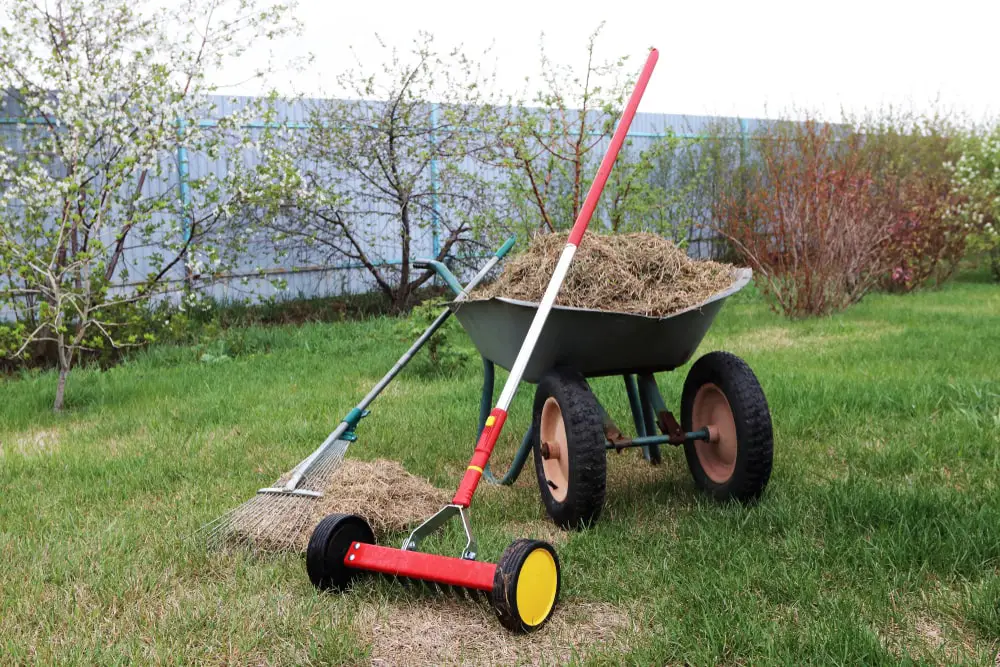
(749, 59)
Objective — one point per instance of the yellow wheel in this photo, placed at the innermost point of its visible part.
(526, 585)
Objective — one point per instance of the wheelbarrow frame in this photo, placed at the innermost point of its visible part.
(645, 403)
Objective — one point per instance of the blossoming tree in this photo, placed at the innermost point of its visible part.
(976, 178)
(99, 93)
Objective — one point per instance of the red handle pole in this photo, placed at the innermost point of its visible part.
(494, 423)
(597, 187)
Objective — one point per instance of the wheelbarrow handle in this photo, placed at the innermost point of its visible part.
(449, 278)
(507, 245)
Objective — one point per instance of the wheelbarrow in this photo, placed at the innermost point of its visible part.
(724, 426)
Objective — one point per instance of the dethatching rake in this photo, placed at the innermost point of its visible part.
(523, 585)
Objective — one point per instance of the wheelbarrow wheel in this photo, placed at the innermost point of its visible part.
(569, 449)
(526, 585)
(723, 394)
(328, 546)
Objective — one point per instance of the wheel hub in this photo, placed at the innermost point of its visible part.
(555, 464)
(712, 411)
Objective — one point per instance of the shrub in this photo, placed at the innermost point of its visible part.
(925, 244)
(810, 218)
(976, 177)
(442, 355)
(908, 155)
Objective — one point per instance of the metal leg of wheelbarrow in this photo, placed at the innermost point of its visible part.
(643, 411)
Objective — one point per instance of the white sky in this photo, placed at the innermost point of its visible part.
(750, 58)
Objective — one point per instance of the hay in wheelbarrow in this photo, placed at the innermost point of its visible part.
(631, 273)
(383, 492)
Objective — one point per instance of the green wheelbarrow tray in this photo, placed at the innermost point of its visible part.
(592, 342)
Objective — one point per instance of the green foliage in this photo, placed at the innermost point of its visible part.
(443, 355)
(11, 336)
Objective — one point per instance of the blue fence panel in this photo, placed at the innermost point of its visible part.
(310, 273)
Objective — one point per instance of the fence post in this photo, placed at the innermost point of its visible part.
(744, 158)
(435, 204)
(184, 192)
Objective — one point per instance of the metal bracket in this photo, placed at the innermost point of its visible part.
(439, 519)
(616, 437)
(669, 427)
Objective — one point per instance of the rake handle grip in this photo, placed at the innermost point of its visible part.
(480, 457)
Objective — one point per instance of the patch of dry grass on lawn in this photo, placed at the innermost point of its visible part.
(441, 631)
(32, 443)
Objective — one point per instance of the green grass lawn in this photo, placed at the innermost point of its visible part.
(878, 539)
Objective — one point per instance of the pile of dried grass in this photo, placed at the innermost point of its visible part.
(633, 273)
(381, 491)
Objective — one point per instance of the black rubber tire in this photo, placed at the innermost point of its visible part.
(588, 465)
(754, 437)
(330, 541)
(503, 597)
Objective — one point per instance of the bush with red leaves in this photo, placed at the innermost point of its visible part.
(925, 244)
(909, 155)
(810, 218)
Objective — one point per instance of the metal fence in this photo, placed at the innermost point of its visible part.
(308, 275)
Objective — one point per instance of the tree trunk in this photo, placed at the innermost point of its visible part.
(400, 298)
(65, 362)
(60, 388)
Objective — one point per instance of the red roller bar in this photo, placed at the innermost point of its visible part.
(418, 565)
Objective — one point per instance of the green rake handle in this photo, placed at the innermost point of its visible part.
(358, 412)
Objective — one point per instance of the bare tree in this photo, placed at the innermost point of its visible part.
(372, 176)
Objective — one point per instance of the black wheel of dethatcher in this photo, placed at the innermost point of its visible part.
(722, 394)
(569, 449)
(526, 585)
(329, 544)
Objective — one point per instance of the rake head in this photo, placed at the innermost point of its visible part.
(280, 517)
